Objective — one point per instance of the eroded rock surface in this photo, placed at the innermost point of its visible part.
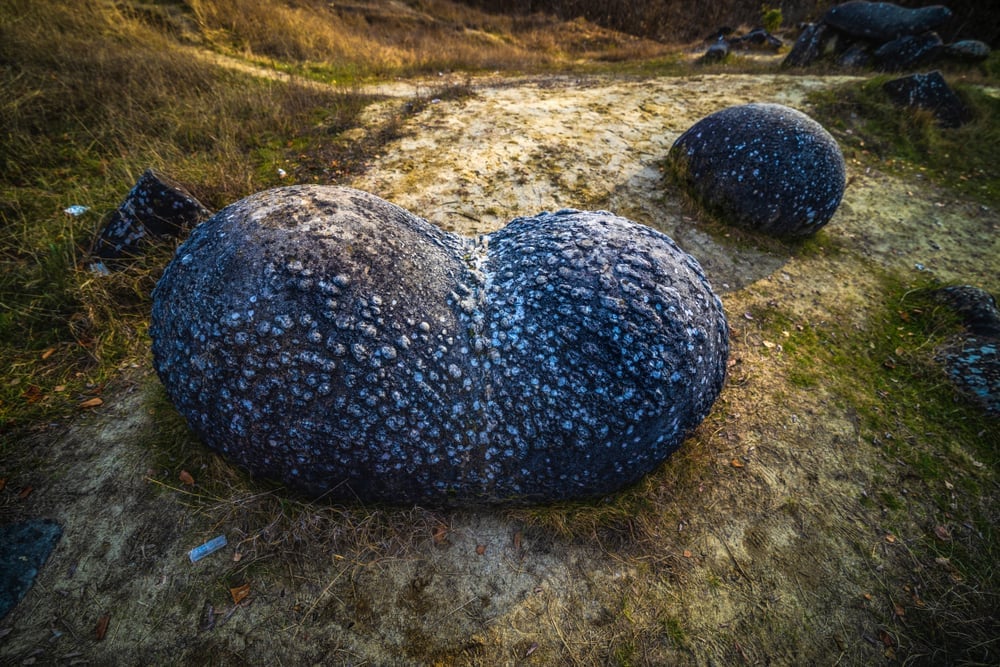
(156, 208)
(326, 338)
(884, 21)
(766, 167)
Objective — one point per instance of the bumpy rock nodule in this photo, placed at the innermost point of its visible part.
(766, 167)
(331, 340)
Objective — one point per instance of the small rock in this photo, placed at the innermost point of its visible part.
(931, 92)
(155, 208)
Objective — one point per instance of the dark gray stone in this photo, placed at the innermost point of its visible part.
(931, 92)
(155, 208)
(907, 52)
(854, 57)
(972, 361)
(766, 167)
(715, 53)
(808, 47)
(884, 21)
(967, 50)
(757, 39)
(24, 548)
(328, 339)
(976, 308)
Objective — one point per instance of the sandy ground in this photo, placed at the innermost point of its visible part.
(774, 561)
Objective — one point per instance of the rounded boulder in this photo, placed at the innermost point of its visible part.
(766, 167)
(330, 340)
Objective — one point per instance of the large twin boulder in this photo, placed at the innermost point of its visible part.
(328, 339)
(766, 167)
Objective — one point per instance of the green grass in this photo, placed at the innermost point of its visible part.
(936, 454)
(872, 129)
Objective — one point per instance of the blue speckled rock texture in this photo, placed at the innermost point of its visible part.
(931, 92)
(908, 52)
(972, 361)
(24, 548)
(155, 208)
(969, 50)
(328, 339)
(766, 167)
(884, 21)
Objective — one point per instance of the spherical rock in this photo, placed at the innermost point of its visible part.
(325, 338)
(766, 167)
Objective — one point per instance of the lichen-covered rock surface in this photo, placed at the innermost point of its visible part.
(326, 338)
(766, 167)
(884, 21)
(930, 92)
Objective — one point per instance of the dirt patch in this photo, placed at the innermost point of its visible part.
(761, 541)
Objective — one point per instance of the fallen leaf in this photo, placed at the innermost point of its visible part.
(886, 638)
(480, 549)
(25, 491)
(868, 596)
(186, 478)
(92, 402)
(58, 388)
(942, 533)
(33, 393)
(517, 541)
(899, 611)
(102, 626)
(239, 593)
(440, 533)
(687, 553)
(768, 344)
(48, 353)
(237, 556)
(890, 538)
(736, 463)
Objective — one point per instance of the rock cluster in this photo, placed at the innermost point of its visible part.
(880, 35)
(721, 42)
(766, 167)
(325, 338)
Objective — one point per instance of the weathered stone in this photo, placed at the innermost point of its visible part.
(975, 307)
(884, 21)
(757, 39)
(716, 52)
(766, 167)
(931, 92)
(972, 361)
(328, 339)
(808, 46)
(907, 52)
(854, 57)
(155, 208)
(24, 548)
(968, 50)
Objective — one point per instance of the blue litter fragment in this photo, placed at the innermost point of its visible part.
(207, 549)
